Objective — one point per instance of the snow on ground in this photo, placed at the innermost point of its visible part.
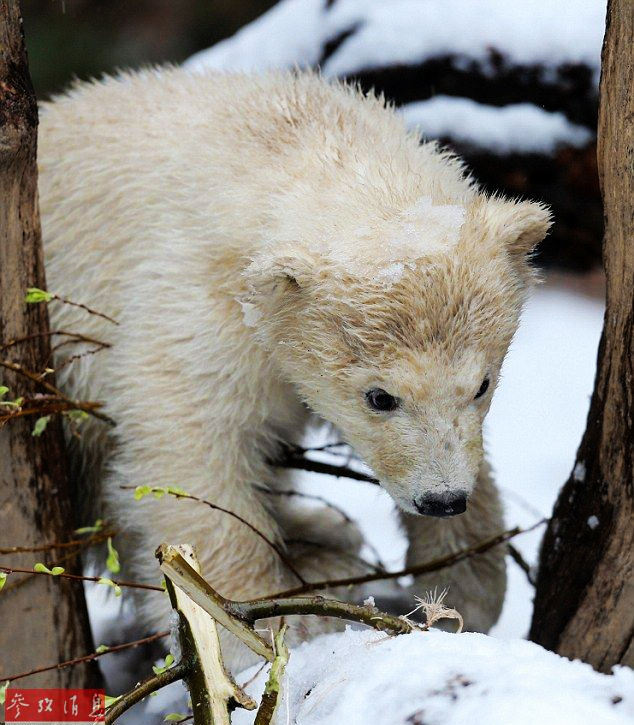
(519, 127)
(436, 678)
(389, 32)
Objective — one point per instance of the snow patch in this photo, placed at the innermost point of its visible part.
(579, 472)
(294, 33)
(359, 677)
(251, 315)
(521, 127)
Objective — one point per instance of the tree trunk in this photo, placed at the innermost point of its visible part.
(44, 620)
(584, 603)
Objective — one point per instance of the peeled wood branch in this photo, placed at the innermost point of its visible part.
(213, 692)
(238, 617)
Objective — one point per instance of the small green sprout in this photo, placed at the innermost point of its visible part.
(3, 578)
(3, 692)
(169, 661)
(55, 571)
(34, 295)
(77, 416)
(108, 582)
(175, 717)
(112, 562)
(102, 648)
(96, 527)
(40, 425)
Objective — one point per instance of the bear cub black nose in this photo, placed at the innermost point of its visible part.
(442, 504)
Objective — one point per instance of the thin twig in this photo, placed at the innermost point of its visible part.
(517, 557)
(415, 570)
(34, 377)
(145, 688)
(79, 577)
(305, 464)
(79, 356)
(285, 560)
(330, 505)
(49, 406)
(79, 543)
(78, 337)
(87, 309)
(87, 658)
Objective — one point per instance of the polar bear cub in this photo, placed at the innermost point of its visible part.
(275, 249)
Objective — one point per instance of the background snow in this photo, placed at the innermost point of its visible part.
(519, 127)
(407, 31)
(294, 33)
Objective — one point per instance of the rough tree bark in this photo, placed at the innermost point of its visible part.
(584, 603)
(42, 620)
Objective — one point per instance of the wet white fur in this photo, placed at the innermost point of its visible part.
(273, 246)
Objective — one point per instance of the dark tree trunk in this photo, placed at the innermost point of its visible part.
(584, 603)
(44, 620)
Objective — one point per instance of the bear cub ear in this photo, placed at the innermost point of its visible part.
(521, 225)
(279, 271)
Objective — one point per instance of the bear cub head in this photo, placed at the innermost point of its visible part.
(395, 331)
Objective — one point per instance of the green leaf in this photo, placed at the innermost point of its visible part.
(40, 425)
(102, 648)
(3, 691)
(97, 526)
(141, 491)
(108, 582)
(159, 491)
(3, 578)
(55, 571)
(77, 416)
(175, 717)
(3, 390)
(168, 662)
(34, 294)
(111, 700)
(112, 562)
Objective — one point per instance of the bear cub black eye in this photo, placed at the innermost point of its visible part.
(483, 388)
(379, 400)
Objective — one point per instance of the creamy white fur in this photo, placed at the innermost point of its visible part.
(272, 246)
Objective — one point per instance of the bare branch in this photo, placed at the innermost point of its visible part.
(34, 377)
(87, 309)
(87, 658)
(78, 577)
(415, 570)
(79, 543)
(177, 493)
(145, 688)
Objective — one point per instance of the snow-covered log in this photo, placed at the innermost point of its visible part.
(511, 87)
